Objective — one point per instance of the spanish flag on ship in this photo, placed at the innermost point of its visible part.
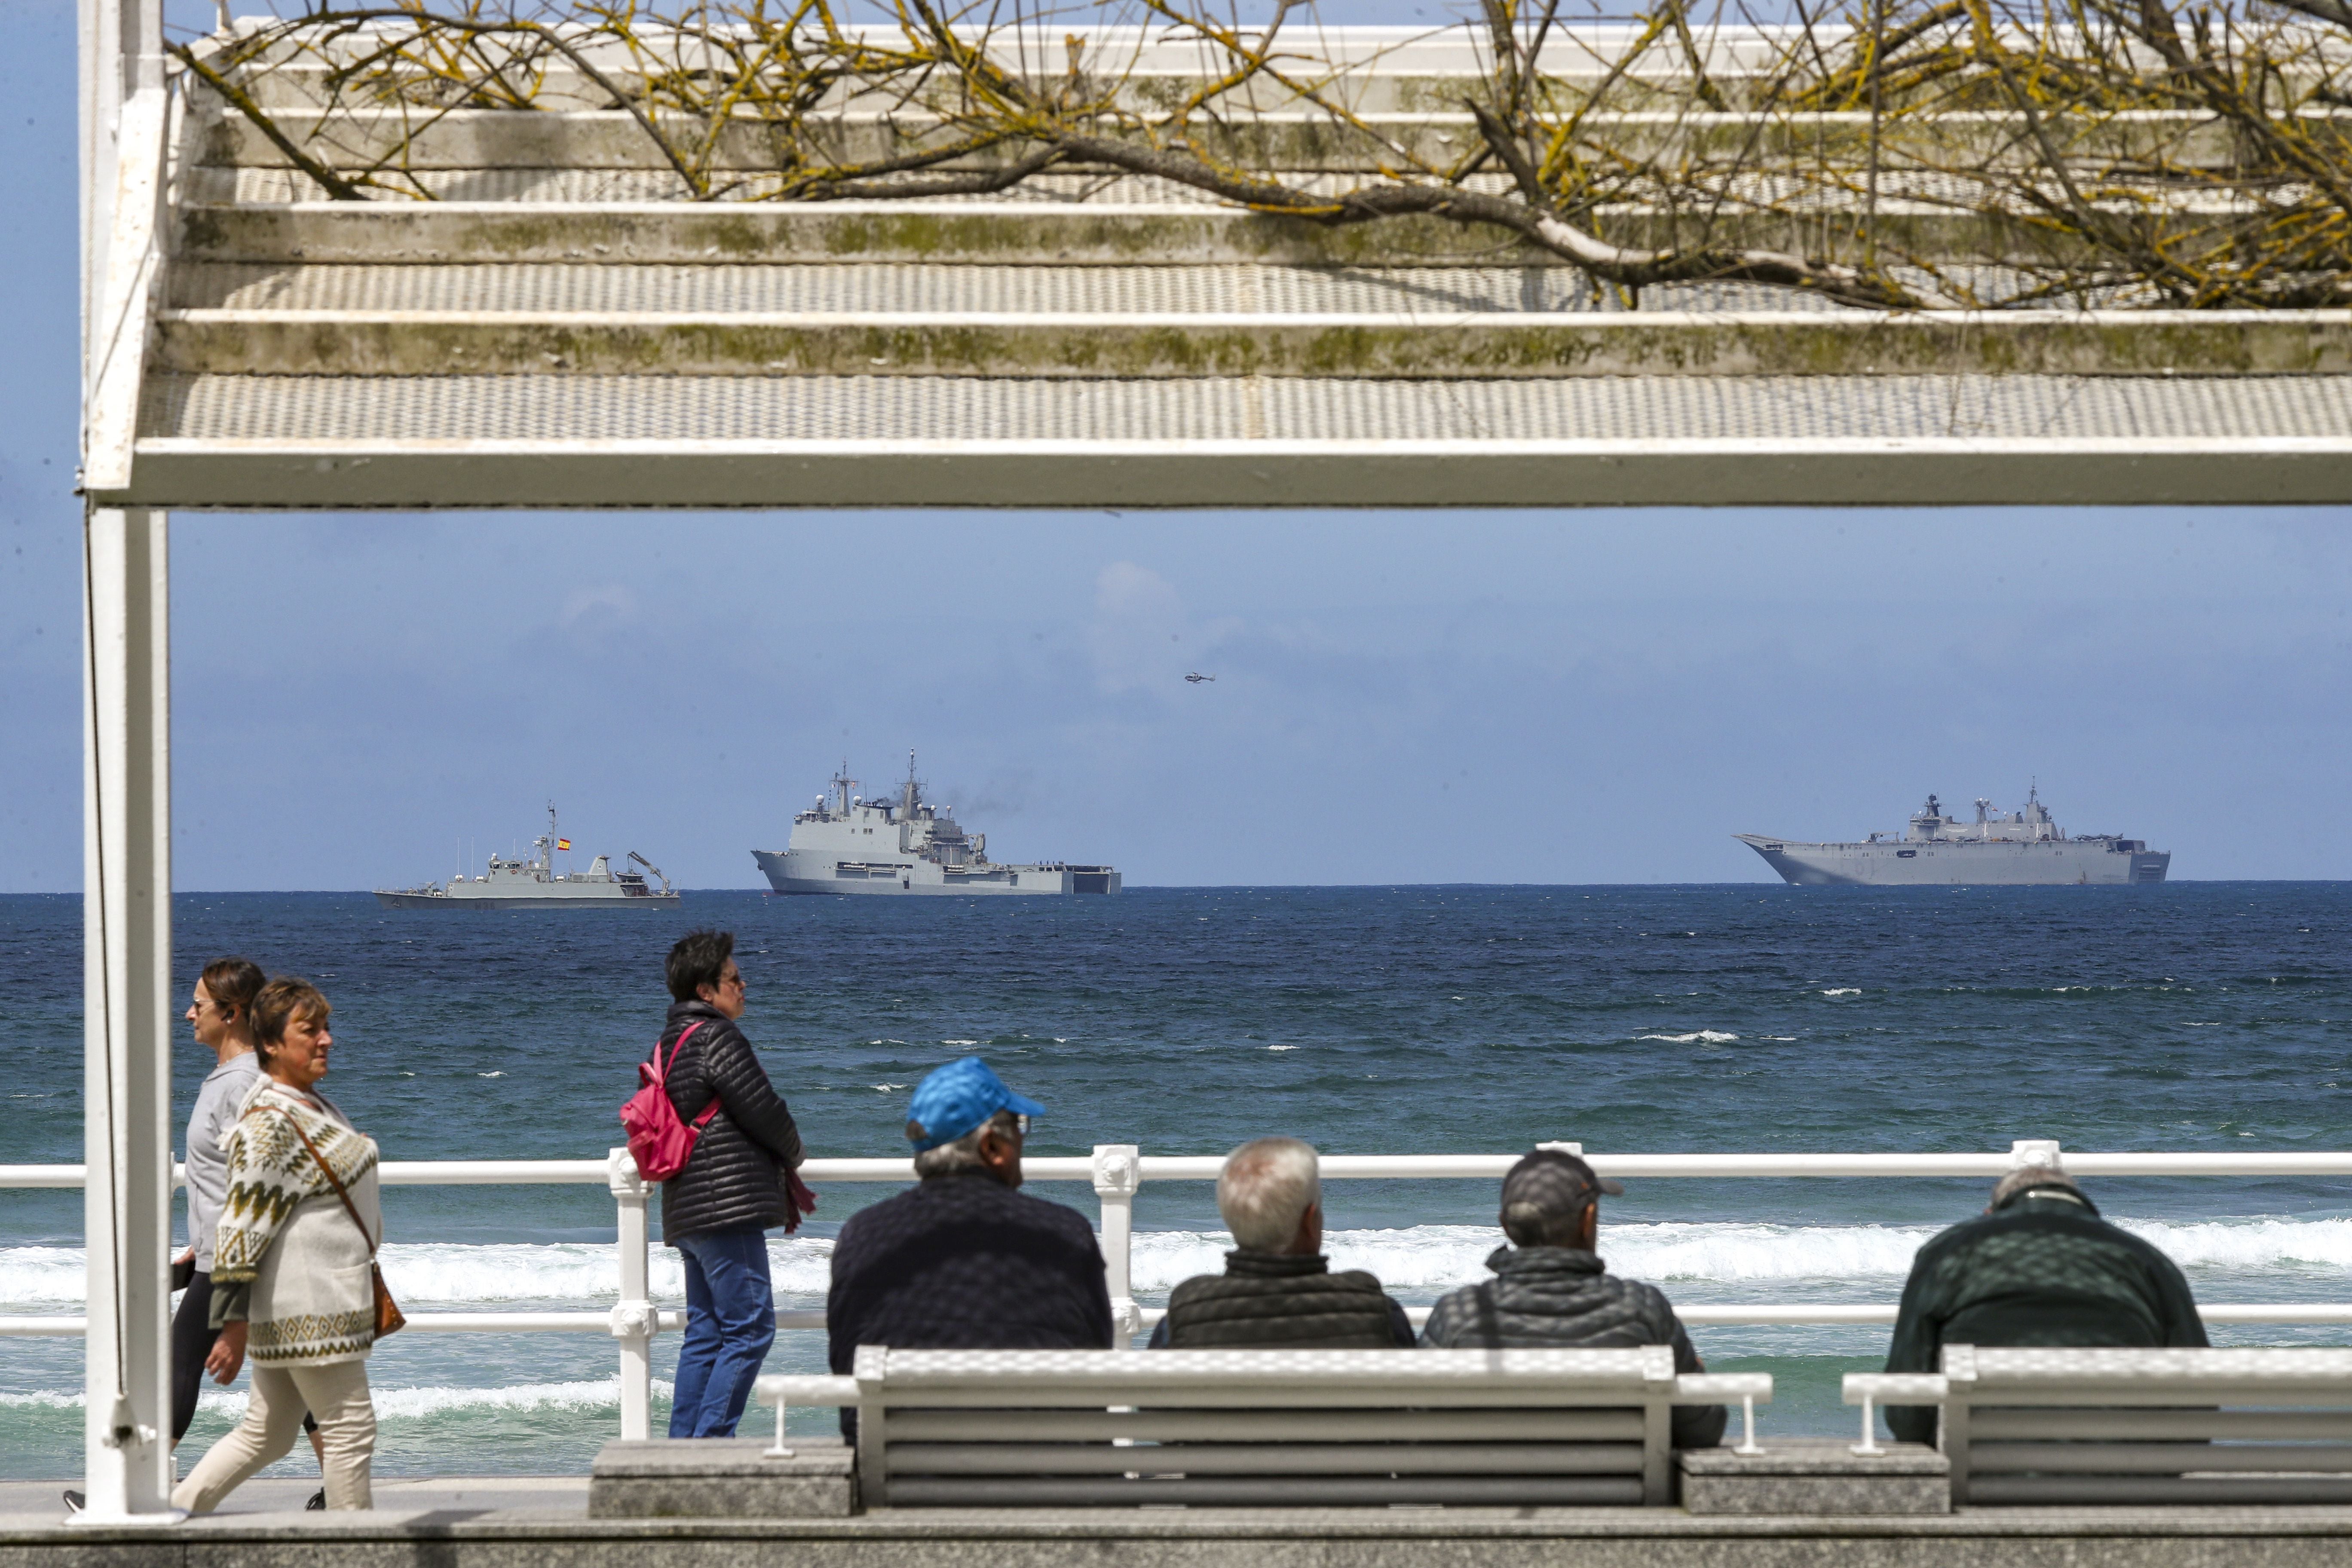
(563, 844)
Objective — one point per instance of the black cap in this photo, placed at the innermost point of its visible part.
(1555, 1182)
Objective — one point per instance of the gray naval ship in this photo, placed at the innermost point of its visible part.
(535, 884)
(846, 844)
(2022, 849)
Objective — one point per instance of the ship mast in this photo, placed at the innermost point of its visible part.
(845, 784)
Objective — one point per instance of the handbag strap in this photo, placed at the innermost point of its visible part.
(349, 1208)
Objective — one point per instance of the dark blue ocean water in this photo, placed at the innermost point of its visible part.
(1411, 1020)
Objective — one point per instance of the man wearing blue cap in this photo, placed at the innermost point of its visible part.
(964, 1260)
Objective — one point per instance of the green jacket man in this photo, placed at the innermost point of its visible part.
(2037, 1268)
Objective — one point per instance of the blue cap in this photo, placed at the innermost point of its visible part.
(956, 1099)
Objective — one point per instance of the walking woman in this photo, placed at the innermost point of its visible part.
(292, 1280)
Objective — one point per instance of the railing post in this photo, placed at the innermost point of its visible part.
(1119, 1171)
(634, 1321)
(2024, 1152)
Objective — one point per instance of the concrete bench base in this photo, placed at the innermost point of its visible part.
(1816, 1476)
(723, 1478)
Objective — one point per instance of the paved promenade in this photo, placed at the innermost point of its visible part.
(543, 1523)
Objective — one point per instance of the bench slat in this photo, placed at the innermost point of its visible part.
(907, 1459)
(1242, 1492)
(1275, 1395)
(2154, 1458)
(1996, 1424)
(1268, 1426)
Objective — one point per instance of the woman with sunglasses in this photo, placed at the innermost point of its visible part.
(736, 1185)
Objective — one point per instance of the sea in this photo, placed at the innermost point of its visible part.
(1367, 1020)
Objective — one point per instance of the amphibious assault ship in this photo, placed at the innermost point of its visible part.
(847, 844)
(535, 884)
(2025, 848)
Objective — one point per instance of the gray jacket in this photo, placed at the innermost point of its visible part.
(218, 1100)
(1564, 1298)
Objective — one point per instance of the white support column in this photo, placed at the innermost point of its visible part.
(1119, 1171)
(634, 1321)
(127, 1002)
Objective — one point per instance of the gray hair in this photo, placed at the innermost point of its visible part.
(1265, 1191)
(961, 1154)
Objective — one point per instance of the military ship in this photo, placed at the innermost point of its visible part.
(2022, 849)
(536, 884)
(847, 844)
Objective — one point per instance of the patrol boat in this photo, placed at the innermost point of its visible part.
(2022, 850)
(847, 844)
(535, 884)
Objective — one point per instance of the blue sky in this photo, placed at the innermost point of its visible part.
(1461, 697)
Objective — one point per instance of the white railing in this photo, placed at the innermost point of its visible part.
(1117, 1171)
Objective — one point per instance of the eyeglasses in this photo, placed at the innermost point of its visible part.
(734, 980)
(1021, 1123)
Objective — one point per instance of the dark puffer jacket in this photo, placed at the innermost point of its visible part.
(1563, 1298)
(1268, 1301)
(2041, 1271)
(964, 1262)
(735, 1176)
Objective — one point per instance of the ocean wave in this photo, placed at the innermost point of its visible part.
(1844, 991)
(451, 1275)
(1700, 1036)
(457, 1275)
(402, 1404)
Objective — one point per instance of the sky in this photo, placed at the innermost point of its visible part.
(1442, 697)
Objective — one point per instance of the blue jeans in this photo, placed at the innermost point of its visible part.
(730, 1321)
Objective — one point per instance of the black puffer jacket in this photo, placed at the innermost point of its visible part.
(1269, 1300)
(1563, 1298)
(736, 1174)
(2040, 1271)
(964, 1262)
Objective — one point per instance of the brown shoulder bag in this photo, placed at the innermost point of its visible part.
(389, 1318)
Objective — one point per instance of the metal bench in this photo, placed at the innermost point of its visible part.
(2052, 1426)
(1299, 1429)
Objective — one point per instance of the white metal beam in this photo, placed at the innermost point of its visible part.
(127, 980)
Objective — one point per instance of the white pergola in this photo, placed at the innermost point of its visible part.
(557, 328)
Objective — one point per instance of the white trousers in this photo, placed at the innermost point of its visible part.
(336, 1396)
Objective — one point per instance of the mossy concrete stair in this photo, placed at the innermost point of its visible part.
(560, 330)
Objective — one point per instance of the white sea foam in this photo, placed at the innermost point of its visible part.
(401, 1404)
(453, 1277)
(1700, 1036)
(1844, 991)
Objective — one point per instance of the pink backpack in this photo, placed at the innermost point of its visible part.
(657, 1138)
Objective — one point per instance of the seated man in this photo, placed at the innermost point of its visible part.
(964, 1260)
(2039, 1266)
(1277, 1290)
(1551, 1291)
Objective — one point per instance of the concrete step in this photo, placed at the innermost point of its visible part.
(1044, 232)
(1307, 139)
(955, 289)
(1068, 338)
(576, 440)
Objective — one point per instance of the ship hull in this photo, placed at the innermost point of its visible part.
(564, 901)
(799, 872)
(2058, 863)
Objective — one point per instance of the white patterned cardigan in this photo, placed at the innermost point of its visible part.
(286, 1238)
